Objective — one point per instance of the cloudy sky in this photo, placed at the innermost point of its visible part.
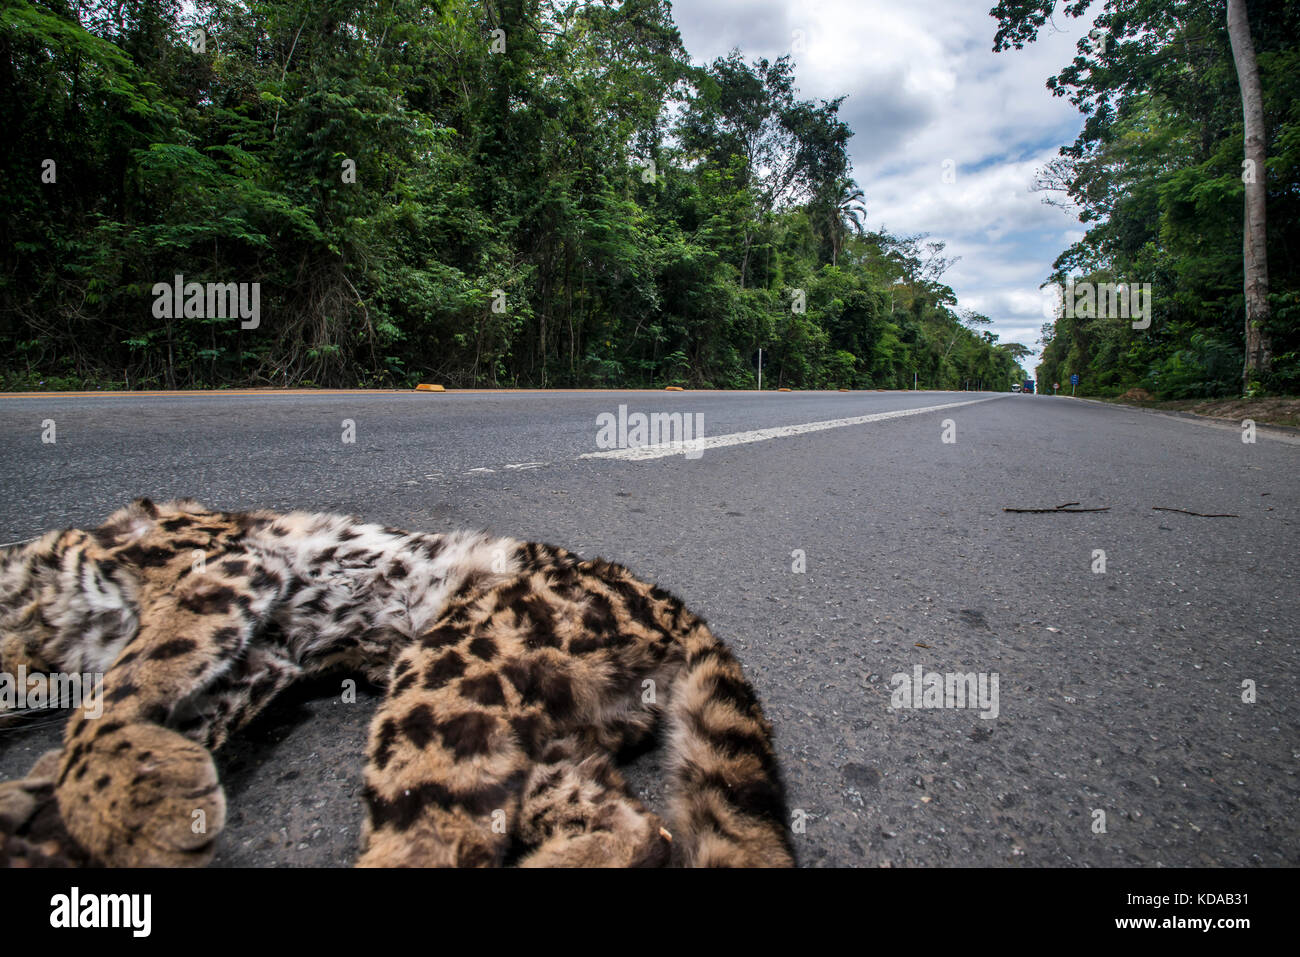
(924, 87)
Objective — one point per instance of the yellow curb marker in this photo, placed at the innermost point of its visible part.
(426, 387)
(673, 388)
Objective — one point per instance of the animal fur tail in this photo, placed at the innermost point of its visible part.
(727, 798)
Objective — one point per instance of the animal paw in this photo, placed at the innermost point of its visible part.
(31, 830)
(580, 814)
(142, 796)
(619, 835)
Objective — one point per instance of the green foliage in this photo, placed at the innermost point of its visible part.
(1157, 172)
(583, 207)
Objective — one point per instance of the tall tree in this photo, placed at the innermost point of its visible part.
(1259, 353)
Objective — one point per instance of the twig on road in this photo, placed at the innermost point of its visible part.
(1161, 508)
(1067, 507)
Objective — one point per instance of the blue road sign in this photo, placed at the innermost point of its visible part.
(1074, 379)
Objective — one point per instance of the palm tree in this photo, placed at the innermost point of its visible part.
(843, 210)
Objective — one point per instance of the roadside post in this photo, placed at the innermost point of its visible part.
(1074, 381)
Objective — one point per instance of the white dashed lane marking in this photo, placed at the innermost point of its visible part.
(698, 446)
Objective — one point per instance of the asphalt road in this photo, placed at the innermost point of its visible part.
(1120, 693)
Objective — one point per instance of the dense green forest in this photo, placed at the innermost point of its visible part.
(1157, 175)
(499, 193)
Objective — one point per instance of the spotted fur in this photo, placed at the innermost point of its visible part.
(516, 673)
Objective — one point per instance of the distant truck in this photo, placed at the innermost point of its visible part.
(1028, 387)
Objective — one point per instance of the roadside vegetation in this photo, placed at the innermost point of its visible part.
(1177, 147)
(491, 194)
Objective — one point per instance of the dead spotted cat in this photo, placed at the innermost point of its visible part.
(515, 672)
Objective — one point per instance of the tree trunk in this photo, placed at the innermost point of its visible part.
(1259, 353)
(744, 262)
